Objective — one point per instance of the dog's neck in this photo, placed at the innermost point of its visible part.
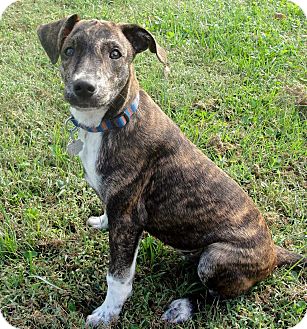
(93, 117)
(125, 97)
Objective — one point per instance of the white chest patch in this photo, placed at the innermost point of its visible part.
(91, 142)
(89, 156)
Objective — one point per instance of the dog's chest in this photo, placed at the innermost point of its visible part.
(89, 156)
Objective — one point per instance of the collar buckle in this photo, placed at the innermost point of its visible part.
(127, 117)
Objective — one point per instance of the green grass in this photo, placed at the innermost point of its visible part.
(237, 89)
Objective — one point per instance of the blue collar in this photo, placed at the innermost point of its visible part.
(118, 122)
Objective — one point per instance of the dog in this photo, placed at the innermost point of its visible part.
(149, 176)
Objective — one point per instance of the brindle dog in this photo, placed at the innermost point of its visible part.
(149, 175)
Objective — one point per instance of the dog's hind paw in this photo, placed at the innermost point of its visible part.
(100, 222)
(179, 311)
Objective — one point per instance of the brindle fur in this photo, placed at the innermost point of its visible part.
(152, 178)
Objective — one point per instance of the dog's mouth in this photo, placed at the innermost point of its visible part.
(85, 108)
(83, 103)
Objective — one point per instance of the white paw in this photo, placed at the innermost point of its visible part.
(179, 311)
(102, 315)
(100, 222)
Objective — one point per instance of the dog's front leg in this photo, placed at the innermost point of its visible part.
(124, 236)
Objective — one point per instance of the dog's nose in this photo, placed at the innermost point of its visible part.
(83, 88)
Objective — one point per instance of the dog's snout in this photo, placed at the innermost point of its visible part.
(83, 88)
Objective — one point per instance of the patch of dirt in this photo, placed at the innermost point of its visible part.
(279, 16)
(299, 92)
(264, 296)
(271, 218)
(50, 245)
(210, 104)
(256, 171)
(300, 95)
(220, 147)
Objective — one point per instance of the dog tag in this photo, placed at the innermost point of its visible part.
(74, 147)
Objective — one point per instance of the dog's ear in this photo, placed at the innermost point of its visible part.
(52, 35)
(141, 39)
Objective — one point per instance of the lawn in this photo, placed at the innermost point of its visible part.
(237, 89)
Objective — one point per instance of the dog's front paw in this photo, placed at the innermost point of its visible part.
(100, 222)
(102, 315)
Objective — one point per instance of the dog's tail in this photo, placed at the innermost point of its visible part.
(285, 257)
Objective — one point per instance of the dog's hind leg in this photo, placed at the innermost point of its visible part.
(180, 310)
(99, 222)
(229, 270)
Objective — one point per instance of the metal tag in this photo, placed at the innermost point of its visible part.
(74, 147)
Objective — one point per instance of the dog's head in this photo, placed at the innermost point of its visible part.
(96, 57)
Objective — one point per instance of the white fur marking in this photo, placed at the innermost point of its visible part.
(91, 143)
(179, 311)
(89, 155)
(117, 294)
(100, 222)
(90, 117)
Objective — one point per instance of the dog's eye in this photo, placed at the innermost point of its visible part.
(115, 54)
(69, 51)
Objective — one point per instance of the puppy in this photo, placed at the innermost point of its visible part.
(148, 174)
